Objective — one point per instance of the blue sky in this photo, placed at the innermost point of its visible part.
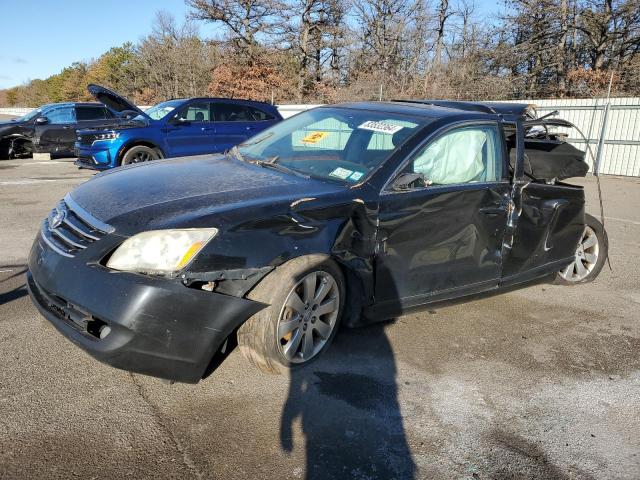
(57, 33)
(41, 37)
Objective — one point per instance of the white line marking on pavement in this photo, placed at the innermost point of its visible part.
(28, 181)
(48, 162)
(6, 271)
(633, 222)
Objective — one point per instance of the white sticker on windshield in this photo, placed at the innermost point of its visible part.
(355, 176)
(381, 127)
(342, 173)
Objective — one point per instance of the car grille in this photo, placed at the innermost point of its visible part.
(86, 140)
(69, 228)
(85, 159)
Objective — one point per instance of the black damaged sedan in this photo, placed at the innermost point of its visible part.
(345, 214)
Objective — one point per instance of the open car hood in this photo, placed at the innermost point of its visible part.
(112, 100)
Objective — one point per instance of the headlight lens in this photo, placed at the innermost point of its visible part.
(106, 136)
(160, 251)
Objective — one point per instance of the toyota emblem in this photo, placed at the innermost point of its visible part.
(56, 218)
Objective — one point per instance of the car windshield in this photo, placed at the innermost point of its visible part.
(333, 143)
(161, 110)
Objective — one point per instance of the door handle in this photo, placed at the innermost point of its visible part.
(492, 211)
(67, 127)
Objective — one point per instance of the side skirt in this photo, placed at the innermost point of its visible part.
(392, 309)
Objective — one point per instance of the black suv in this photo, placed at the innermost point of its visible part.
(52, 128)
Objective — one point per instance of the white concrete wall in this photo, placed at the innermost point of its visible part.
(621, 152)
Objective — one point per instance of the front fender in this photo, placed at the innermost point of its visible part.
(138, 141)
(345, 231)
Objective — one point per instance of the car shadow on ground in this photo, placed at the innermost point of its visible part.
(16, 293)
(347, 407)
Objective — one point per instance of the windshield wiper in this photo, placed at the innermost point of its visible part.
(271, 163)
(235, 151)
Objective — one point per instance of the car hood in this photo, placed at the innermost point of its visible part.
(112, 100)
(189, 192)
(11, 124)
(115, 127)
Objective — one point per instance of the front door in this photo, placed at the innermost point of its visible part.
(59, 133)
(190, 131)
(445, 239)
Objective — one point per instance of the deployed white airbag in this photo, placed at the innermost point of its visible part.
(454, 158)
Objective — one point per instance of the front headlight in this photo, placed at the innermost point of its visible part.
(160, 251)
(106, 136)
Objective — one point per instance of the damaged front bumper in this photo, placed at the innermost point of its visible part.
(154, 326)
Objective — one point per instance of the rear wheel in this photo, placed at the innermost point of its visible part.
(591, 253)
(4, 150)
(305, 298)
(138, 154)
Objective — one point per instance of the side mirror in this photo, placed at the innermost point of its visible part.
(407, 181)
(182, 121)
(42, 121)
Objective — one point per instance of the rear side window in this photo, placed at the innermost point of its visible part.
(90, 113)
(230, 112)
(259, 115)
(61, 115)
(463, 155)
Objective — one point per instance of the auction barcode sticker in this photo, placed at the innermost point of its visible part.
(381, 127)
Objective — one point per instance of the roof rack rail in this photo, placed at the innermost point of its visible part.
(468, 106)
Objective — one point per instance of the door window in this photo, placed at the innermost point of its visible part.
(196, 112)
(229, 112)
(61, 115)
(464, 155)
(90, 113)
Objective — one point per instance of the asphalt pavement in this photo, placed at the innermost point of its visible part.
(542, 382)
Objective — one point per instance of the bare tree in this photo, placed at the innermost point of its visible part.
(248, 22)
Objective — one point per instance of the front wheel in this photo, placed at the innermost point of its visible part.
(138, 154)
(306, 298)
(590, 256)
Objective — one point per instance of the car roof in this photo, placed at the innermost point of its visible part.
(222, 99)
(444, 108)
(72, 104)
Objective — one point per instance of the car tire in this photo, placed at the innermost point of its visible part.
(591, 254)
(4, 150)
(139, 154)
(289, 333)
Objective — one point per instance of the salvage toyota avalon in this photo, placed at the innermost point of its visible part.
(344, 214)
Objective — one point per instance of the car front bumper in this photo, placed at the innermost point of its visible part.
(156, 326)
(99, 156)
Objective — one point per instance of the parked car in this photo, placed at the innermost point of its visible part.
(346, 214)
(174, 128)
(52, 128)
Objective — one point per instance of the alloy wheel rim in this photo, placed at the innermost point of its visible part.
(585, 258)
(140, 157)
(308, 317)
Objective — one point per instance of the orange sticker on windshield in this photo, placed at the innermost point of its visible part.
(314, 137)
